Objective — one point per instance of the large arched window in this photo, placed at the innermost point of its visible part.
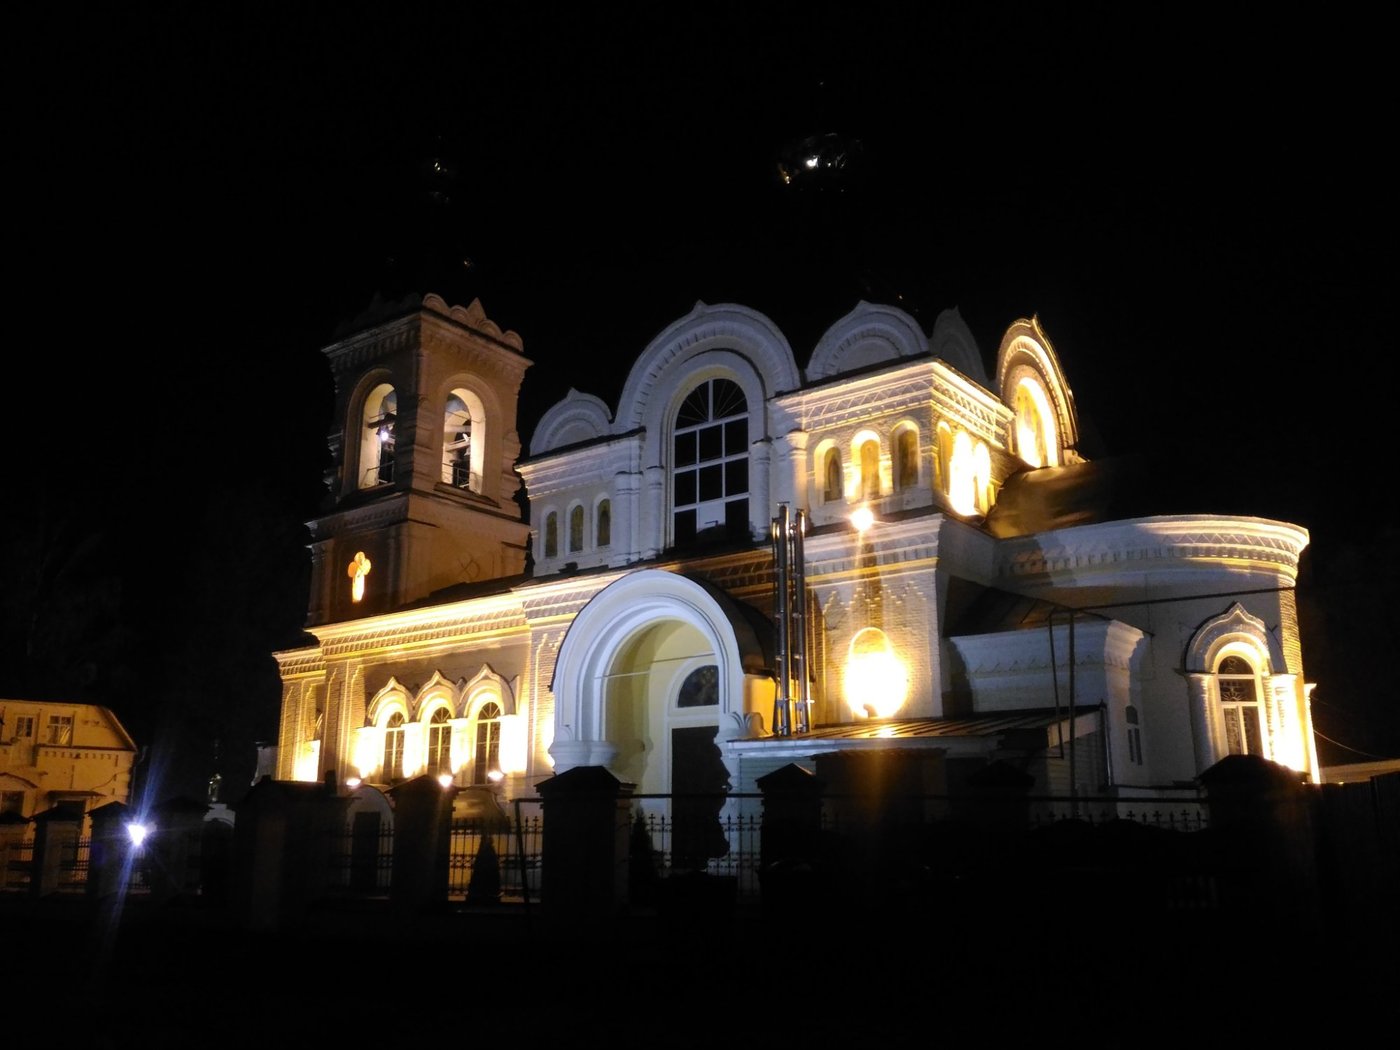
(710, 462)
(488, 744)
(1239, 704)
(1037, 438)
(439, 742)
(463, 440)
(378, 433)
(393, 748)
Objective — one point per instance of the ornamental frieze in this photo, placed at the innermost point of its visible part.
(463, 628)
(1207, 545)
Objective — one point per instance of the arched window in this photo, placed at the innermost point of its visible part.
(604, 522)
(943, 460)
(870, 470)
(906, 458)
(439, 742)
(982, 478)
(1239, 704)
(700, 688)
(710, 462)
(831, 473)
(463, 440)
(551, 535)
(378, 434)
(393, 748)
(1037, 438)
(488, 743)
(576, 529)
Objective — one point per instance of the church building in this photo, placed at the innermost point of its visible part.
(748, 563)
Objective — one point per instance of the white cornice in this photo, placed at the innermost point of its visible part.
(1131, 548)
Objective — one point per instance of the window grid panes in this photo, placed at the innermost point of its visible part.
(488, 743)
(710, 464)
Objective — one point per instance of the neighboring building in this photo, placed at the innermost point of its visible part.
(995, 601)
(54, 754)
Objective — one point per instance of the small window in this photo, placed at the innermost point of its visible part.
(906, 459)
(1134, 735)
(551, 535)
(439, 742)
(700, 688)
(604, 522)
(60, 729)
(870, 470)
(576, 529)
(12, 802)
(488, 744)
(24, 727)
(393, 748)
(831, 471)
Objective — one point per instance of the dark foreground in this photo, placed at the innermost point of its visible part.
(151, 975)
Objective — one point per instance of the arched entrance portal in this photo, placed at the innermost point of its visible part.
(649, 683)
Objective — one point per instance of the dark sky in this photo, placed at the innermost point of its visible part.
(1200, 211)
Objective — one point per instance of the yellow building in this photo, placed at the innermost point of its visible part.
(55, 753)
(746, 564)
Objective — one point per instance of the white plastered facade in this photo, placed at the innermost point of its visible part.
(627, 637)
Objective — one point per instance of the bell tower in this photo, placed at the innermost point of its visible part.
(422, 480)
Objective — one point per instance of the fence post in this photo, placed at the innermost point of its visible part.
(422, 843)
(584, 856)
(790, 854)
(110, 848)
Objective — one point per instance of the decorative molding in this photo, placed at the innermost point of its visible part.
(1166, 541)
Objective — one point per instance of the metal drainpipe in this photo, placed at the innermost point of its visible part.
(782, 725)
(1073, 749)
(1055, 676)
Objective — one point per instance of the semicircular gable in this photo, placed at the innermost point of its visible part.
(869, 335)
(1026, 348)
(578, 417)
(663, 365)
(636, 601)
(952, 341)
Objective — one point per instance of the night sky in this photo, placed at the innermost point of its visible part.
(1200, 212)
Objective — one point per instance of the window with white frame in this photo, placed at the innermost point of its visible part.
(59, 730)
(393, 748)
(439, 742)
(710, 462)
(1238, 682)
(488, 743)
